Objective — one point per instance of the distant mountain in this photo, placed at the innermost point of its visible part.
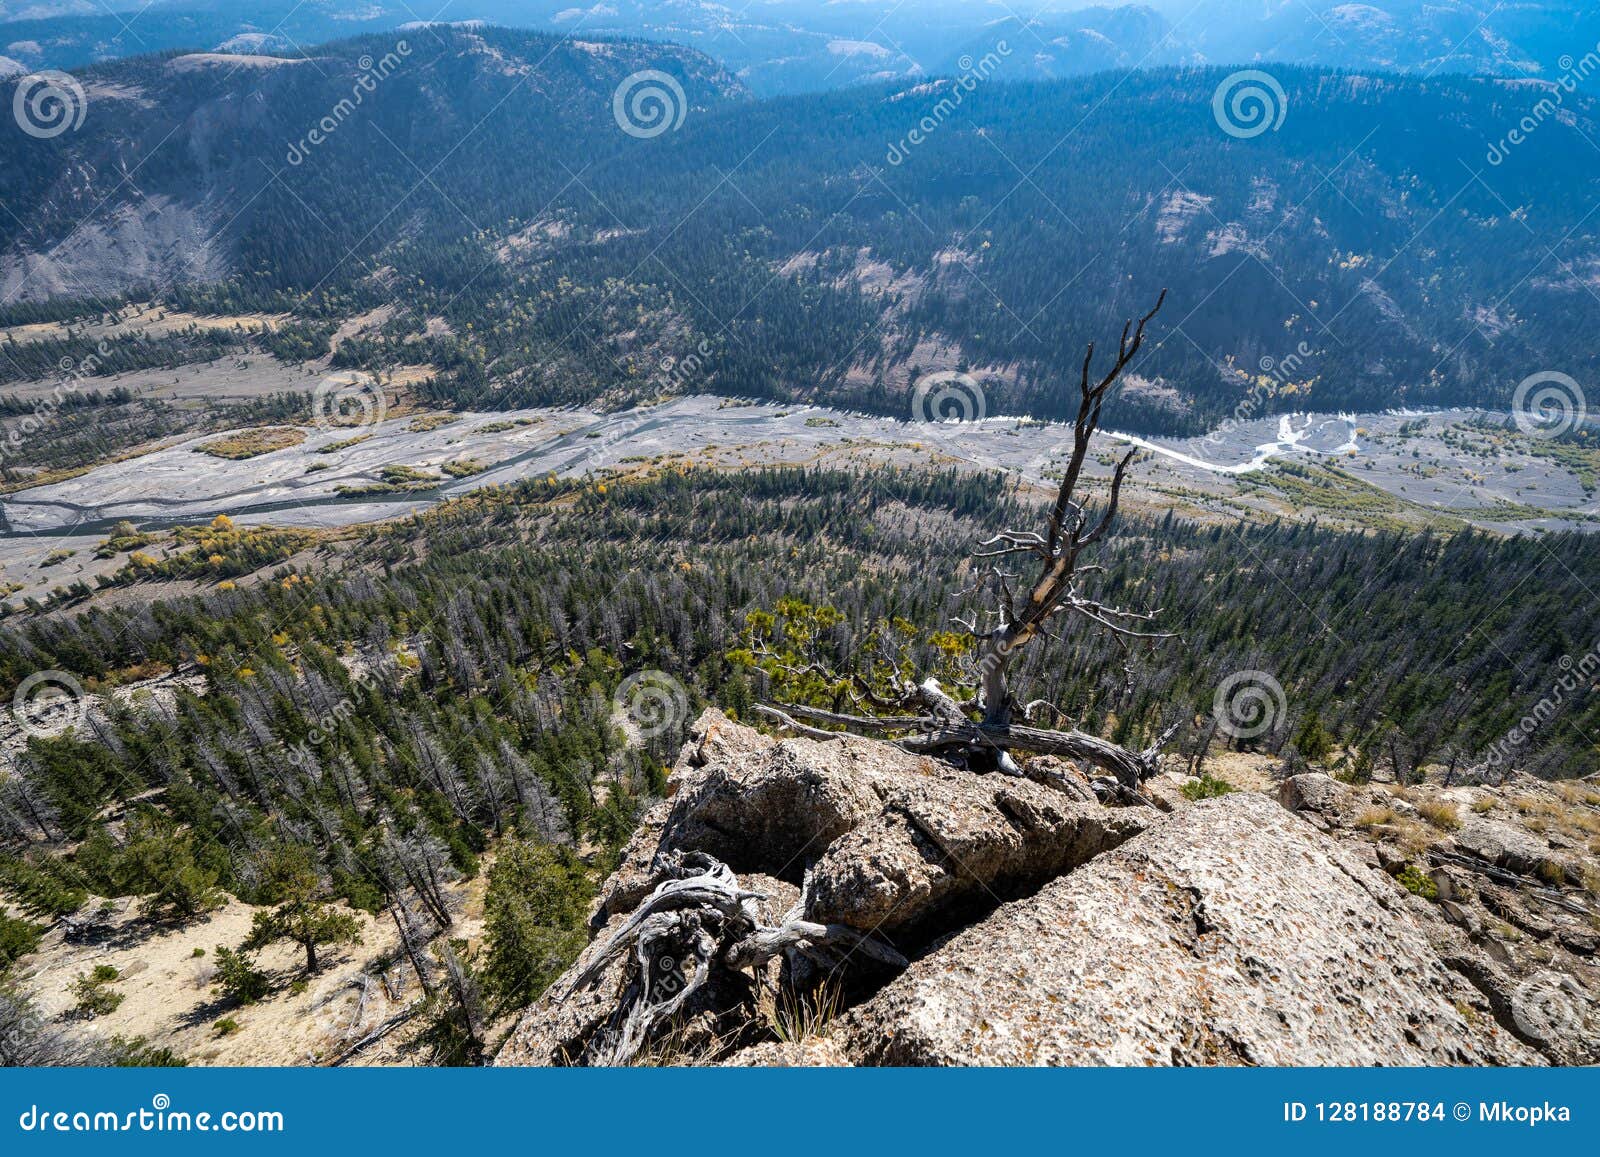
(72, 35)
(792, 46)
(1541, 38)
(1365, 250)
(1048, 47)
(1530, 38)
(266, 164)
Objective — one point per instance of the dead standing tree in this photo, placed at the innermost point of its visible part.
(938, 722)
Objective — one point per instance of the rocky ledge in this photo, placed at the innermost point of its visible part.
(1309, 923)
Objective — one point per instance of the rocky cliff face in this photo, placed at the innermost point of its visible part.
(1042, 928)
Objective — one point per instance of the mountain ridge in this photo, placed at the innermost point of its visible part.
(1363, 240)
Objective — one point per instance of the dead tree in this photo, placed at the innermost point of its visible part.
(942, 723)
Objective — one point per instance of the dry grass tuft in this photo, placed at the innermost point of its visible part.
(1440, 813)
(796, 1017)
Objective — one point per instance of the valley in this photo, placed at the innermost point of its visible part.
(1028, 537)
(1367, 471)
(780, 253)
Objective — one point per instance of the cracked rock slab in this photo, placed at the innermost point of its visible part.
(1230, 932)
(890, 838)
(1502, 845)
(953, 837)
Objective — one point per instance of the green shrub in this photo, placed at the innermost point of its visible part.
(159, 861)
(238, 977)
(1313, 740)
(535, 919)
(17, 939)
(1207, 786)
(1418, 882)
(45, 888)
(93, 993)
(137, 1053)
(301, 914)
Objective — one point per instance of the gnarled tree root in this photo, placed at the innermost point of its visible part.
(696, 921)
(935, 735)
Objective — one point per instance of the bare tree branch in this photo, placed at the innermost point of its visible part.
(1004, 630)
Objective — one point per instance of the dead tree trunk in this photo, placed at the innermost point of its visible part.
(1003, 632)
(1068, 533)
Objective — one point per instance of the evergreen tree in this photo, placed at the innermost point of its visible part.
(534, 919)
(300, 914)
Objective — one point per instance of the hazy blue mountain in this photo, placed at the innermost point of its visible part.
(787, 46)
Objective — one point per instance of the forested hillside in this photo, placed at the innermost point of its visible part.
(513, 615)
(508, 677)
(809, 247)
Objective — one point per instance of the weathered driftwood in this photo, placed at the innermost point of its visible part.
(1130, 768)
(1510, 879)
(373, 1037)
(697, 920)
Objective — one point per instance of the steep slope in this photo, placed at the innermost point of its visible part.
(1380, 243)
(196, 166)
